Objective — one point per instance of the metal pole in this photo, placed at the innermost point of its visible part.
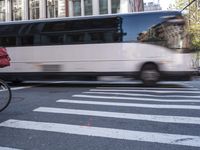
(188, 5)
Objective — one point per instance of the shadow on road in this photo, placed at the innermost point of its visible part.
(97, 84)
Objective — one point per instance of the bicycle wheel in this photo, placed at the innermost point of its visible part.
(5, 95)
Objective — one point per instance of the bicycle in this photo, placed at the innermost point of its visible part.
(5, 95)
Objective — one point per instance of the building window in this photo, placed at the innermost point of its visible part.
(34, 9)
(88, 7)
(103, 6)
(131, 6)
(2, 11)
(115, 6)
(76, 7)
(17, 10)
(52, 8)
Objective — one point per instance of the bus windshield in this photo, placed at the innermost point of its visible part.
(171, 33)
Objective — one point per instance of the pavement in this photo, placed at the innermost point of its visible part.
(67, 116)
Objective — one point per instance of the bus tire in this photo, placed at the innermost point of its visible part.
(149, 74)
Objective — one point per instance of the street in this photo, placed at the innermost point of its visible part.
(96, 116)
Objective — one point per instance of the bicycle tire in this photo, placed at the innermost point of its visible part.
(5, 95)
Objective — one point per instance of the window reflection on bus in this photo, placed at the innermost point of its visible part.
(172, 33)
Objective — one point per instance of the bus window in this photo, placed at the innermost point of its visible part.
(10, 30)
(50, 39)
(80, 25)
(29, 34)
(8, 41)
(170, 33)
(97, 37)
(105, 23)
(109, 37)
(118, 37)
(87, 38)
(30, 29)
(54, 26)
(76, 38)
(105, 37)
(27, 40)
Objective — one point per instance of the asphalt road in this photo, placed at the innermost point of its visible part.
(95, 116)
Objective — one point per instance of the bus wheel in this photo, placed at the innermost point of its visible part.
(149, 74)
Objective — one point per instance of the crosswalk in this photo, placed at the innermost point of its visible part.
(8, 148)
(156, 99)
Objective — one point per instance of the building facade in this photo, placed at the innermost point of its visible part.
(13, 10)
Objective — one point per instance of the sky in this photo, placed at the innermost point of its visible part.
(164, 3)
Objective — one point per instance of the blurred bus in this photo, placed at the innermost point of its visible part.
(149, 46)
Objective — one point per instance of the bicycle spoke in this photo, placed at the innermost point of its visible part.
(5, 95)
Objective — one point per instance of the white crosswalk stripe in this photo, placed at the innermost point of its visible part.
(135, 98)
(146, 91)
(175, 139)
(151, 88)
(155, 106)
(155, 118)
(146, 95)
(8, 148)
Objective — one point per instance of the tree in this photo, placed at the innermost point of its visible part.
(192, 13)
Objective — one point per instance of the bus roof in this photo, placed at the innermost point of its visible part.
(87, 17)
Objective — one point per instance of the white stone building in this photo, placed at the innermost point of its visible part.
(152, 6)
(12, 10)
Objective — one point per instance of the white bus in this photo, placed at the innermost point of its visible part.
(149, 46)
